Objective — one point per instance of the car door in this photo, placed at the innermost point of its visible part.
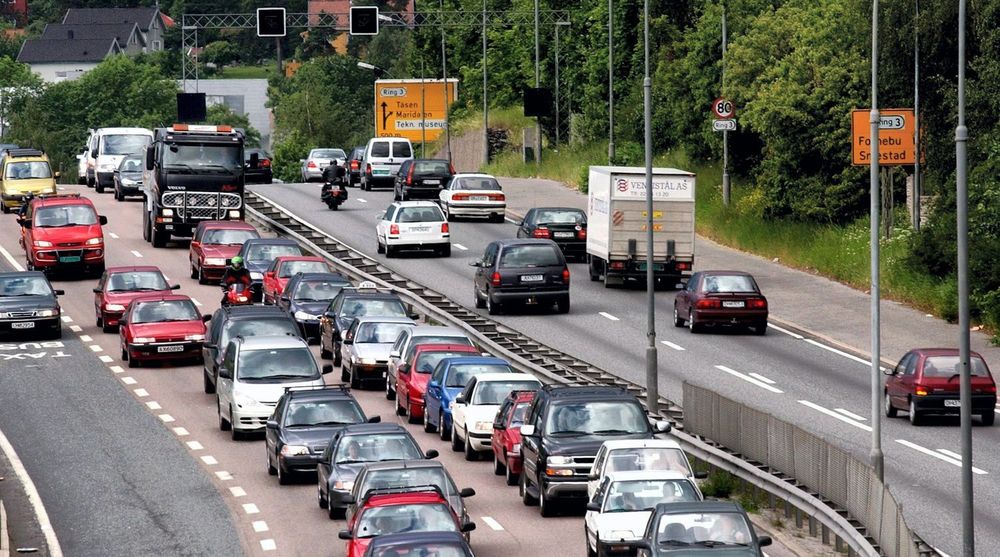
(382, 228)
(195, 251)
(224, 385)
(99, 293)
(684, 297)
(499, 438)
(323, 468)
(597, 471)
(524, 231)
(458, 410)
(271, 435)
(895, 383)
(485, 268)
(396, 352)
(531, 444)
(435, 390)
(590, 518)
(271, 282)
(210, 348)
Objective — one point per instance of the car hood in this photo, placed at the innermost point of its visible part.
(24, 185)
(131, 175)
(269, 393)
(257, 266)
(312, 308)
(67, 234)
(124, 297)
(584, 445)
(168, 329)
(112, 159)
(376, 350)
(634, 522)
(220, 250)
(26, 303)
(348, 472)
(479, 413)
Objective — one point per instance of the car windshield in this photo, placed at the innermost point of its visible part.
(318, 290)
(391, 519)
(267, 252)
(375, 307)
(65, 215)
(420, 214)
(729, 283)
(130, 164)
(647, 458)
(229, 237)
(431, 167)
(478, 183)
(406, 477)
(596, 418)
(259, 326)
(519, 412)
(283, 364)
(164, 310)
(136, 280)
(377, 447)
(24, 286)
(493, 392)
(289, 268)
(643, 495)
(947, 366)
(124, 144)
(323, 412)
(720, 528)
(327, 154)
(28, 170)
(530, 256)
(459, 374)
(419, 549)
(560, 216)
(203, 157)
(379, 333)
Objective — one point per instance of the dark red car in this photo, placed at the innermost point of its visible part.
(412, 376)
(721, 298)
(161, 327)
(214, 243)
(63, 231)
(506, 440)
(284, 267)
(120, 285)
(926, 381)
(395, 510)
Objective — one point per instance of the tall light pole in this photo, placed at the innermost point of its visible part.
(538, 84)
(876, 378)
(916, 116)
(611, 82)
(558, 25)
(486, 106)
(725, 133)
(652, 386)
(447, 101)
(423, 110)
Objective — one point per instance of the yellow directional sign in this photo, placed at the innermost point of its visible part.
(412, 108)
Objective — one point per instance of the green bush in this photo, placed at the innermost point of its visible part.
(288, 151)
(719, 484)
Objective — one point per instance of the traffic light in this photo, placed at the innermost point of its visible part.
(364, 20)
(537, 102)
(270, 22)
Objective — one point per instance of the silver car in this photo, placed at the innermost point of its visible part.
(317, 161)
(366, 347)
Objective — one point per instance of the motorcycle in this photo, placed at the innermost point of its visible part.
(237, 294)
(334, 191)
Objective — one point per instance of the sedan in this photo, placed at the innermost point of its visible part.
(213, 244)
(565, 226)
(413, 225)
(161, 327)
(28, 304)
(721, 298)
(675, 527)
(283, 268)
(318, 160)
(119, 286)
(452, 544)
(422, 179)
(925, 381)
(354, 165)
(473, 195)
(128, 177)
(407, 473)
(475, 410)
(366, 346)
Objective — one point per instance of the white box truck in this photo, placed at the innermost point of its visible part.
(616, 224)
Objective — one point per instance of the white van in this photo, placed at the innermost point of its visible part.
(383, 157)
(107, 148)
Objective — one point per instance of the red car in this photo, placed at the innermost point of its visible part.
(63, 231)
(412, 376)
(506, 440)
(721, 298)
(926, 381)
(161, 327)
(119, 286)
(284, 267)
(214, 243)
(398, 510)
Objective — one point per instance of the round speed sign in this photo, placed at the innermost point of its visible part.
(723, 108)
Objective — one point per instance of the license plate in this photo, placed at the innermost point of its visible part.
(69, 259)
(953, 403)
(174, 348)
(432, 182)
(532, 278)
(563, 234)
(380, 172)
(419, 229)
(479, 198)
(23, 325)
(732, 304)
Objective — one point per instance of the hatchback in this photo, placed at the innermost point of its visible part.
(412, 376)
(161, 327)
(28, 304)
(413, 225)
(119, 286)
(447, 381)
(506, 438)
(283, 268)
(317, 161)
(473, 195)
(721, 298)
(354, 165)
(422, 179)
(127, 178)
(530, 272)
(926, 381)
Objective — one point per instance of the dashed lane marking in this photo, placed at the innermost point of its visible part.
(360, 200)
(141, 393)
(749, 379)
(75, 328)
(117, 369)
(461, 247)
(55, 550)
(194, 445)
(209, 460)
(671, 345)
(238, 491)
(153, 405)
(835, 415)
(196, 302)
(839, 352)
(86, 338)
(250, 508)
(167, 418)
(223, 475)
(129, 380)
(492, 523)
(268, 545)
(106, 359)
(607, 315)
(96, 348)
(137, 254)
(10, 259)
(180, 432)
(67, 319)
(756, 375)
(786, 331)
(260, 526)
(113, 235)
(939, 456)
(850, 414)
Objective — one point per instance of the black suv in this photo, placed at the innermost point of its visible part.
(258, 253)
(306, 297)
(526, 271)
(302, 425)
(562, 432)
(364, 301)
(353, 165)
(422, 179)
(230, 322)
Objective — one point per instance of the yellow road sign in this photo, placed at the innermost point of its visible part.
(412, 108)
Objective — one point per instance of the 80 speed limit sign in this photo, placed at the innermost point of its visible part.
(723, 108)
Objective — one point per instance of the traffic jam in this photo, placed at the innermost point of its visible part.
(292, 342)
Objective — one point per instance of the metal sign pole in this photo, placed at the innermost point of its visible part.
(916, 116)
(652, 380)
(611, 83)
(538, 81)
(447, 101)
(486, 106)
(725, 133)
(876, 205)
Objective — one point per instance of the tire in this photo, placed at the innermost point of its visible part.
(510, 476)
(526, 496)
(760, 328)
(390, 392)
(124, 355)
(498, 467)
(692, 326)
(98, 187)
(562, 306)
(194, 272)
(355, 380)
(271, 470)
(118, 195)
(201, 276)
(338, 359)
(443, 432)
(320, 499)
(480, 303)
(491, 307)
(988, 417)
(915, 417)
(445, 251)
(456, 443)
(379, 248)
(109, 328)
(497, 218)
(133, 363)
(400, 411)
(390, 251)
(224, 424)
(5, 209)
(234, 433)
(678, 320)
(428, 426)
(323, 352)
(447, 213)
(586, 540)
(284, 478)
(56, 334)
(546, 506)
(207, 384)
(344, 376)
(890, 410)
(410, 418)
(470, 453)
(159, 238)
(145, 225)
(334, 513)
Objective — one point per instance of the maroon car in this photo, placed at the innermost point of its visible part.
(926, 381)
(213, 244)
(120, 285)
(721, 298)
(161, 327)
(506, 440)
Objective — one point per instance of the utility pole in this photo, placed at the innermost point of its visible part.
(611, 83)
(558, 25)
(423, 110)
(725, 133)
(278, 54)
(875, 208)
(538, 84)
(447, 101)
(652, 379)
(916, 117)
(486, 106)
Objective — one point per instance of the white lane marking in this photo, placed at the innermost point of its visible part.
(106, 359)
(833, 414)
(672, 345)
(268, 545)
(250, 508)
(141, 393)
(461, 247)
(137, 254)
(167, 418)
(117, 369)
(223, 475)
(129, 380)
(607, 315)
(209, 460)
(749, 379)
(67, 319)
(756, 375)
(492, 523)
(86, 338)
(360, 200)
(786, 331)
(196, 302)
(75, 328)
(33, 498)
(238, 491)
(180, 431)
(851, 415)
(840, 352)
(153, 405)
(10, 259)
(260, 526)
(937, 455)
(194, 445)
(96, 348)
(113, 235)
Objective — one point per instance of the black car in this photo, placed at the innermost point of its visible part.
(526, 271)
(364, 301)
(564, 428)
(28, 305)
(306, 297)
(452, 544)
(422, 179)
(258, 253)
(347, 453)
(127, 178)
(721, 527)
(230, 322)
(353, 165)
(408, 473)
(302, 425)
(565, 226)
(257, 170)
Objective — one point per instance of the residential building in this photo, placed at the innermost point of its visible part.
(61, 59)
(150, 21)
(130, 39)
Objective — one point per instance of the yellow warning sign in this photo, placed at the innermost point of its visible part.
(412, 108)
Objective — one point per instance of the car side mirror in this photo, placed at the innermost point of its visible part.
(432, 384)
(460, 399)
(594, 506)
(210, 345)
(348, 340)
(476, 263)
(518, 223)
(25, 223)
(97, 291)
(527, 430)
(593, 477)
(403, 368)
(175, 287)
(640, 544)
(272, 424)
(468, 526)
(394, 354)
(102, 219)
(431, 454)
(662, 426)
(466, 492)
(413, 315)
(700, 475)
(375, 420)
(206, 318)
(764, 541)
(59, 292)
(344, 535)
(889, 371)
(150, 156)
(224, 373)
(328, 368)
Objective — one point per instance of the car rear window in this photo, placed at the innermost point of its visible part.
(431, 167)
(379, 149)
(267, 252)
(947, 366)
(401, 149)
(479, 183)
(291, 267)
(420, 214)
(493, 392)
(328, 154)
(258, 327)
(729, 283)
(560, 217)
(530, 256)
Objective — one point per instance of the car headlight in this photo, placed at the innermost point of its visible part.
(114, 307)
(622, 535)
(234, 214)
(94, 241)
(294, 450)
(195, 337)
(167, 212)
(244, 400)
(256, 276)
(47, 313)
(215, 261)
(106, 166)
(143, 340)
(483, 426)
(128, 182)
(560, 460)
(301, 315)
(343, 486)
(42, 244)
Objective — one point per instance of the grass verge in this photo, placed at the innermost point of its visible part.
(246, 72)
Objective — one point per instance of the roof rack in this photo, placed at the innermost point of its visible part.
(24, 152)
(344, 388)
(57, 195)
(399, 490)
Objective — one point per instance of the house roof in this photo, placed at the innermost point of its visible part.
(142, 17)
(35, 51)
(121, 31)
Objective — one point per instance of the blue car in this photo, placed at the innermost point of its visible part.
(447, 382)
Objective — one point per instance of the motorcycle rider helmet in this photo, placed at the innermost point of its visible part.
(236, 262)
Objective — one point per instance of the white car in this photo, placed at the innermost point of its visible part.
(473, 195)
(382, 159)
(413, 225)
(638, 454)
(411, 337)
(366, 346)
(317, 161)
(473, 411)
(620, 509)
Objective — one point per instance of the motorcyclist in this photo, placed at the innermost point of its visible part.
(22, 211)
(236, 273)
(333, 177)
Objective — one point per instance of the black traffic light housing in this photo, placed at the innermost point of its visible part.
(364, 20)
(270, 22)
(537, 101)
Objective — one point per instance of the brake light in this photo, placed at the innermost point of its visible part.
(497, 197)
(565, 275)
(393, 229)
(540, 232)
(683, 266)
(311, 164)
(920, 390)
(708, 303)
(266, 163)
(757, 303)
(617, 265)
(581, 233)
(495, 279)
(409, 176)
(460, 197)
(444, 228)
(354, 165)
(991, 389)
(368, 169)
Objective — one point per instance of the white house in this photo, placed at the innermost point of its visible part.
(61, 59)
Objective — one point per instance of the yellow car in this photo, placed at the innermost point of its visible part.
(23, 171)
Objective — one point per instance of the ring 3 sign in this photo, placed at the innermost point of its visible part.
(895, 137)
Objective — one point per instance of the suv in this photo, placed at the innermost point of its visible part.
(365, 300)
(63, 230)
(254, 374)
(23, 171)
(562, 433)
(353, 165)
(258, 253)
(382, 159)
(532, 272)
(422, 179)
(229, 322)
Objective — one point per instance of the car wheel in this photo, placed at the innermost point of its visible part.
(491, 307)
(338, 359)
(390, 251)
(498, 467)
(890, 410)
(284, 477)
(915, 417)
(526, 496)
(562, 306)
(109, 328)
(443, 431)
(410, 417)
(145, 225)
(586, 540)
(546, 506)
(124, 354)
(333, 512)
(194, 272)
(510, 476)
(271, 470)
(445, 251)
(470, 453)
(209, 386)
(692, 326)
(447, 212)
(320, 499)
(428, 426)
(480, 303)
(99, 322)
(379, 248)
(224, 424)
(235, 434)
(134, 363)
(323, 352)
(678, 320)
(390, 393)
(456, 443)
(355, 380)
(202, 279)
(344, 376)
(988, 417)
(98, 187)
(760, 328)
(159, 238)
(400, 411)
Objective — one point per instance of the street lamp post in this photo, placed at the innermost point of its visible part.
(379, 74)
(916, 116)
(486, 106)
(538, 82)
(876, 379)
(558, 25)
(652, 387)
(725, 133)
(611, 83)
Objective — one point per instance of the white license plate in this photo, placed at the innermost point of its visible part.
(479, 198)
(733, 304)
(173, 348)
(564, 234)
(23, 325)
(532, 278)
(419, 228)
(432, 182)
(953, 403)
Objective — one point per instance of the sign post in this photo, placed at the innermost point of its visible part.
(723, 109)
(415, 109)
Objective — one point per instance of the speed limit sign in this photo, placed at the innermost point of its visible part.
(723, 108)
